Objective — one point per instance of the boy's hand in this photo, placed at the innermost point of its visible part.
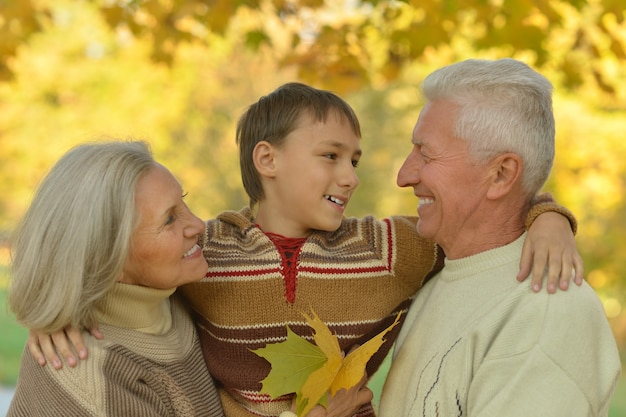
(550, 245)
(345, 403)
(68, 343)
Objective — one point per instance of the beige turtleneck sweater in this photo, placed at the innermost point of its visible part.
(148, 364)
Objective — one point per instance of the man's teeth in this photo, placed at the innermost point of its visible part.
(423, 201)
(334, 200)
(191, 251)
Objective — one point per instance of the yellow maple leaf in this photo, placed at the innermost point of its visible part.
(311, 371)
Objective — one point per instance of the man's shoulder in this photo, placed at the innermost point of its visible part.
(577, 309)
(574, 297)
(577, 301)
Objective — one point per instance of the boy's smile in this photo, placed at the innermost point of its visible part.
(336, 200)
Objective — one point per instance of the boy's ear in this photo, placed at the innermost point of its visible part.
(263, 157)
(506, 173)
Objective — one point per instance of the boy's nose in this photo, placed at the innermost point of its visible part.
(350, 178)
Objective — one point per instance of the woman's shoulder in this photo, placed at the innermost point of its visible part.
(79, 390)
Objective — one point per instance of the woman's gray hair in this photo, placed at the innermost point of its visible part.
(71, 245)
(505, 106)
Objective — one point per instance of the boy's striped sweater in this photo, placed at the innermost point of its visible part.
(356, 279)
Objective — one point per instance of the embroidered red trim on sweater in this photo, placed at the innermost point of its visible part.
(289, 249)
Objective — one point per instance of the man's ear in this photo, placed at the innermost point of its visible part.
(263, 156)
(506, 174)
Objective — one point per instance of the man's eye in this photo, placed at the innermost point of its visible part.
(170, 219)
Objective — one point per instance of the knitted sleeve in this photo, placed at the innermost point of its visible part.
(543, 203)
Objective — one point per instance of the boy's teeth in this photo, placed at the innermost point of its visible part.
(335, 200)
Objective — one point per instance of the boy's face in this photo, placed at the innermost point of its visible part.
(314, 177)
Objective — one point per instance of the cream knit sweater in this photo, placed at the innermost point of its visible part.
(478, 343)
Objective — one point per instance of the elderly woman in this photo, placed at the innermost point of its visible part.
(107, 240)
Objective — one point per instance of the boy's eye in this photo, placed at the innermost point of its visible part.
(330, 156)
(355, 163)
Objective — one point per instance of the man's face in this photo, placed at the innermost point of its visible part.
(449, 186)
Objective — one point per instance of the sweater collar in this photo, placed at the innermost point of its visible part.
(476, 264)
(136, 307)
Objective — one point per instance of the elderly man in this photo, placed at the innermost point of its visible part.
(475, 342)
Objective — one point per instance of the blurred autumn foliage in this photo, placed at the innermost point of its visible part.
(179, 73)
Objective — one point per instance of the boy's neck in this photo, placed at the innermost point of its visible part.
(270, 221)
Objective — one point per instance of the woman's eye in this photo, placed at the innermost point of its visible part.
(170, 219)
(330, 156)
(355, 163)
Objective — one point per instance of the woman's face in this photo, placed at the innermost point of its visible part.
(164, 252)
